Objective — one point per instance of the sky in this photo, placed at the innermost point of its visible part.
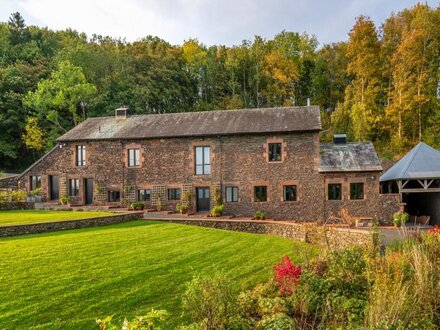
(225, 22)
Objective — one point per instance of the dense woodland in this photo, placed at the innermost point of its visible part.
(383, 84)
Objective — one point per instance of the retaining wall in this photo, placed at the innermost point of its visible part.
(9, 206)
(331, 237)
(44, 227)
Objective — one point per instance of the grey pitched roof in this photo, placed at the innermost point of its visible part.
(348, 157)
(422, 162)
(37, 162)
(207, 123)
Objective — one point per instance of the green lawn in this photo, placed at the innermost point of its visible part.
(34, 216)
(68, 279)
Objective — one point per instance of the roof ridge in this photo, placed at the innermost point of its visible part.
(216, 110)
(416, 149)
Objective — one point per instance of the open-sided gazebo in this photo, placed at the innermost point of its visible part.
(416, 178)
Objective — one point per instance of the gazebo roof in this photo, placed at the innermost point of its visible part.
(422, 162)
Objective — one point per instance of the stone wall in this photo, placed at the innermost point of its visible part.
(283, 229)
(8, 206)
(339, 237)
(45, 227)
(329, 237)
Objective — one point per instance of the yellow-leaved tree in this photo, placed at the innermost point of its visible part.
(34, 137)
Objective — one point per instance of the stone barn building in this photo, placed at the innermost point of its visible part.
(257, 159)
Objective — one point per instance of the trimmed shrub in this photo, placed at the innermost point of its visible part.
(137, 206)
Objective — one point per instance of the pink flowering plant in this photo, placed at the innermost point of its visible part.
(287, 275)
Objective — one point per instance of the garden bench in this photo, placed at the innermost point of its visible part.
(420, 219)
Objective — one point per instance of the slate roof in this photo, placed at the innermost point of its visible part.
(348, 157)
(206, 123)
(422, 162)
(37, 162)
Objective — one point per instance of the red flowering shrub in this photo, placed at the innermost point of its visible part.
(286, 275)
(435, 231)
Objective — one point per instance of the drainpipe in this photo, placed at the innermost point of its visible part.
(123, 170)
(221, 161)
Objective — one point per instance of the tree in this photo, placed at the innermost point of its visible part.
(363, 95)
(330, 79)
(16, 21)
(281, 74)
(413, 100)
(33, 136)
(61, 100)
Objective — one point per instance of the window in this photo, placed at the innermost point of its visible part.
(335, 191)
(231, 194)
(274, 152)
(203, 160)
(114, 196)
(174, 194)
(74, 187)
(80, 155)
(35, 182)
(144, 195)
(260, 194)
(357, 190)
(289, 193)
(134, 157)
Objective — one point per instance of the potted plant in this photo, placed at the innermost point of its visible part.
(35, 196)
(404, 217)
(65, 200)
(218, 208)
(183, 209)
(217, 211)
(260, 215)
(187, 202)
(137, 206)
(396, 221)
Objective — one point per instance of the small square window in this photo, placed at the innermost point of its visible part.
(289, 193)
(134, 157)
(275, 152)
(335, 191)
(231, 194)
(144, 195)
(114, 196)
(174, 194)
(260, 194)
(74, 187)
(357, 190)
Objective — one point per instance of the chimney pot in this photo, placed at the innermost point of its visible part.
(340, 138)
(122, 112)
